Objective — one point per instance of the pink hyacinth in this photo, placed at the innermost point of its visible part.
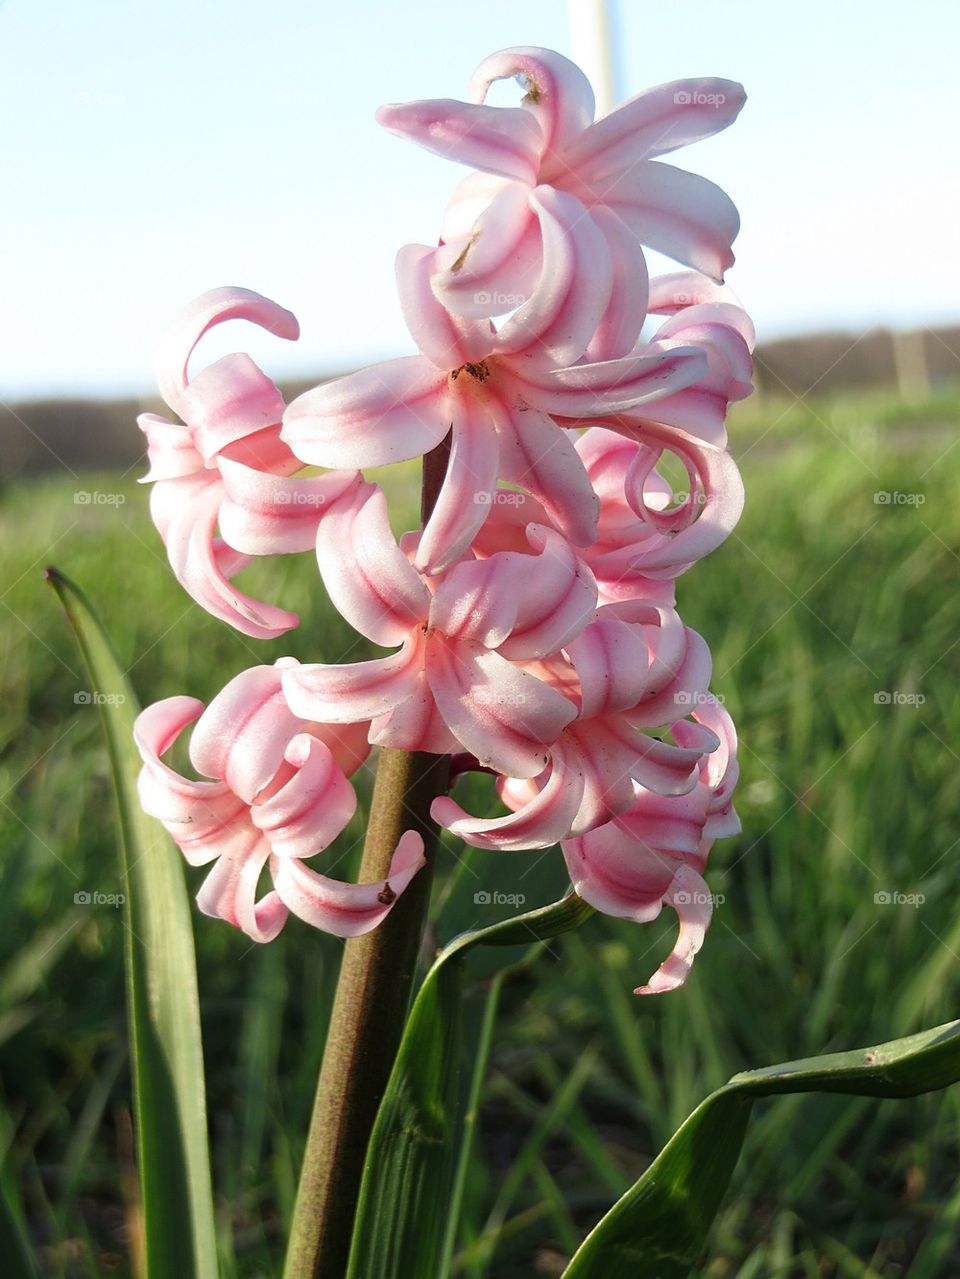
(280, 796)
(531, 625)
(457, 681)
(654, 854)
(226, 465)
(498, 393)
(493, 248)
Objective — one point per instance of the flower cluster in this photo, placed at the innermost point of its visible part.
(531, 624)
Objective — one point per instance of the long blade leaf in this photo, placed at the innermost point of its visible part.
(161, 977)
(659, 1226)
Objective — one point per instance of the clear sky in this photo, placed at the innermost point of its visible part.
(151, 151)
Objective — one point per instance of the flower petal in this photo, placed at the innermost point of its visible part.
(465, 496)
(586, 391)
(536, 454)
(213, 307)
(264, 514)
(199, 566)
(229, 891)
(312, 808)
(501, 140)
(498, 712)
(170, 449)
(543, 820)
(680, 214)
(555, 326)
(368, 578)
(689, 896)
(654, 122)
(227, 401)
(447, 340)
(558, 94)
(557, 597)
(494, 266)
(386, 413)
(352, 692)
(619, 328)
(242, 735)
(346, 910)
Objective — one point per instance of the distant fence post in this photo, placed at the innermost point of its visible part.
(910, 361)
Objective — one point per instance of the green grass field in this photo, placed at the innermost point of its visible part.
(823, 599)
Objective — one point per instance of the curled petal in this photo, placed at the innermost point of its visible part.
(229, 891)
(209, 309)
(200, 816)
(586, 391)
(618, 874)
(311, 809)
(228, 401)
(613, 663)
(347, 743)
(494, 265)
(447, 340)
(558, 94)
(544, 819)
(536, 454)
(562, 602)
(346, 910)
(170, 449)
(386, 413)
(477, 600)
(680, 214)
(654, 122)
(555, 326)
(469, 483)
(367, 576)
(675, 290)
(357, 691)
(501, 140)
(264, 514)
(199, 564)
(689, 896)
(415, 724)
(242, 735)
(619, 328)
(498, 712)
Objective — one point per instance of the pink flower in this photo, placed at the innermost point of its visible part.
(654, 854)
(493, 248)
(458, 680)
(635, 667)
(280, 796)
(499, 392)
(227, 465)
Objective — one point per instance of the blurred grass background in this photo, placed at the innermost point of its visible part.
(824, 598)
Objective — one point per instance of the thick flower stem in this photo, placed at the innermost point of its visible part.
(370, 1008)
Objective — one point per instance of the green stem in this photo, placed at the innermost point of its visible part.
(372, 1000)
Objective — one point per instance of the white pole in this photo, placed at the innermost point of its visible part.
(592, 48)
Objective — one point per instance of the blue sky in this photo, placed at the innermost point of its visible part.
(152, 151)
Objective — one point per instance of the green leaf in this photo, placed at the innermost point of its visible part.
(412, 1177)
(659, 1226)
(161, 976)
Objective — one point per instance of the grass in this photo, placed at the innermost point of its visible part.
(823, 599)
